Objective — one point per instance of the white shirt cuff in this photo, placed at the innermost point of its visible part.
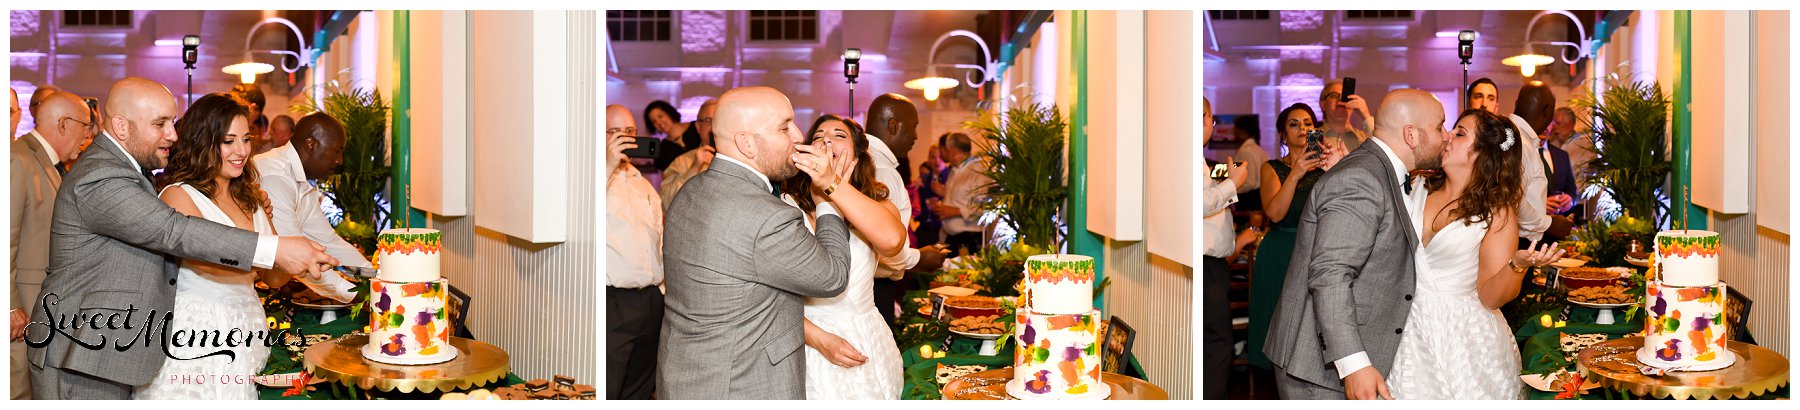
(265, 251)
(825, 208)
(1352, 363)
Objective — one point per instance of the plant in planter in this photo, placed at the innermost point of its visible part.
(357, 187)
(1023, 155)
(1630, 123)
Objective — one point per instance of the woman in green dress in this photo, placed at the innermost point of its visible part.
(1284, 194)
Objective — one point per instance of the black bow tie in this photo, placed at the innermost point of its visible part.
(774, 189)
(1406, 186)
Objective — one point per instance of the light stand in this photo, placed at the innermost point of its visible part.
(1465, 49)
(852, 68)
(190, 54)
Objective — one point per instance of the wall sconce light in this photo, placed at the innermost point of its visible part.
(1529, 61)
(932, 83)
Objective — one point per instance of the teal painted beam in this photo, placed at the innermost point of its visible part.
(1081, 241)
(400, 211)
(1683, 125)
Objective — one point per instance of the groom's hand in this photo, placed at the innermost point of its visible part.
(1366, 384)
(299, 256)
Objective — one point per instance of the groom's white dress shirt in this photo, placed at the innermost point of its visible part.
(296, 204)
(265, 244)
(1357, 361)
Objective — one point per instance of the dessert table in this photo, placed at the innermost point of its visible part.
(991, 385)
(1614, 365)
(340, 362)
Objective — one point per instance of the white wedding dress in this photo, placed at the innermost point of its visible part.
(205, 302)
(1454, 348)
(852, 316)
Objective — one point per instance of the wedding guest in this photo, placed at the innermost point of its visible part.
(1537, 105)
(36, 174)
(960, 210)
(1251, 153)
(929, 187)
(894, 119)
(111, 232)
(696, 160)
(16, 115)
(1220, 240)
(662, 118)
(1287, 186)
(1337, 115)
(634, 266)
(37, 98)
(894, 125)
(1533, 220)
(289, 175)
(259, 129)
(281, 129)
(1580, 147)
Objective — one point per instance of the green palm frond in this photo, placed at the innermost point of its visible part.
(1023, 155)
(1630, 122)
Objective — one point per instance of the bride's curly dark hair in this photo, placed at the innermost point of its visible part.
(1496, 181)
(195, 160)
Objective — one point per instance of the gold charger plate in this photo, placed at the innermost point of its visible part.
(1614, 365)
(341, 361)
(991, 385)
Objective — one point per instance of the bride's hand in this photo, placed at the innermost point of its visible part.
(835, 349)
(1537, 255)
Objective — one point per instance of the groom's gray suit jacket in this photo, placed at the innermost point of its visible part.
(114, 246)
(736, 262)
(1350, 283)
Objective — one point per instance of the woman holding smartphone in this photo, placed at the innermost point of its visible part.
(1284, 194)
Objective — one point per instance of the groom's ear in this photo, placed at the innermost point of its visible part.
(745, 143)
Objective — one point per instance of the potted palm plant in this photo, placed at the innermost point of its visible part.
(356, 188)
(1630, 122)
(1023, 154)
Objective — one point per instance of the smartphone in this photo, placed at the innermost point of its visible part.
(1315, 142)
(1349, 89)
(646, 148)
(1221, 171)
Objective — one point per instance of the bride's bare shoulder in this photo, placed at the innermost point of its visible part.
(177, 198)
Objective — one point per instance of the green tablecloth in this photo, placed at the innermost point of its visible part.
(307, 321)
(920, 380)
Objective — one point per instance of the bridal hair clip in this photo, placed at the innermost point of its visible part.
(1506, 145)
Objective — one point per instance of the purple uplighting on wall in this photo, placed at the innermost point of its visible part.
(702, 31)
(1301, 20)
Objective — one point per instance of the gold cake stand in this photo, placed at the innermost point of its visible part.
(1613, 364)
(991, 385)
(340, 361)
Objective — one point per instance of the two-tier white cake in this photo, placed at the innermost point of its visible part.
(409, 300)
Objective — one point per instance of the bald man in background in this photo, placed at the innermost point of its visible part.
(634, 265)
(281, 129)
(64, 122)
(113, 250)
(16, 115)
(288, 173)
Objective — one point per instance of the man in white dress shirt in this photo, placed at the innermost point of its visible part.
(898, 121)
(1533, 221)
(1219, 237)
(287, 173)
(634, 267)
(960, 210)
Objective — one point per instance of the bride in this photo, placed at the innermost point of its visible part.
(216, 307)
(1456, 344)
(850, 352)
